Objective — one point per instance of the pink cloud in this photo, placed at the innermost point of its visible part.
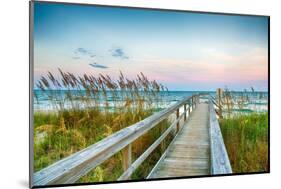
(217, 67)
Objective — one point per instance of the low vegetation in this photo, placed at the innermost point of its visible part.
(246, 140)
(85, 109)
(245, 131)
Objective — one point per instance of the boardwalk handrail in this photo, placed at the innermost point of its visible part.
(73, 167)
(219, 107)
(220, 163)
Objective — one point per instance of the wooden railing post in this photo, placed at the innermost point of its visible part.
(178, 123)
(192, 102)
(162, 144)
(127, 157)
(184, 112)
(189, 104)
(219, 95)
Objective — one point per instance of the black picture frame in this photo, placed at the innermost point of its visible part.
(31, 80)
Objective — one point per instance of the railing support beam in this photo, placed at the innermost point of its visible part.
(189, 110)
(192, 104)
(127, 157)
(184, 112)
(178, 124)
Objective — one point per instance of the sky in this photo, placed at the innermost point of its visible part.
(182, 50)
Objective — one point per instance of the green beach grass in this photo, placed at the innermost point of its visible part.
(246, 140)
(63, 136)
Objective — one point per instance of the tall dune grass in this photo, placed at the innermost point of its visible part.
(246, 140)
(237, 101)
(245, 134)
(86, 109)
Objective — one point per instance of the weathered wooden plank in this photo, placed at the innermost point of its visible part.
(170, 174)
(183, 172)
(183, 163)
(191, 145)
(186, 166)
(219, 159)
(184, 151)
(190, 155)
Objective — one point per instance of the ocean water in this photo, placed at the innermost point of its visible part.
(43, 101)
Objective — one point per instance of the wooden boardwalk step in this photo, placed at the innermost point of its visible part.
(189, 154)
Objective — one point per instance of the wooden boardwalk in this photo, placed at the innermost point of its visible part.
(197, 148)
(189, 154)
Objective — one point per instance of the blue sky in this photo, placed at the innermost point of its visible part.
(182, 50)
